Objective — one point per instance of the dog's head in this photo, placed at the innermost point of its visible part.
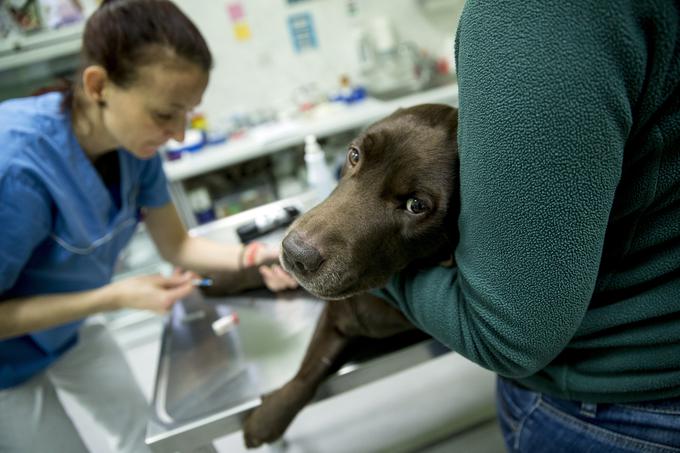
(396, 203)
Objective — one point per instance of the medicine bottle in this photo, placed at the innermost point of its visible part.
(319, 176)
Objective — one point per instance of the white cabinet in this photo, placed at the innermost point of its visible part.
(17, 50)
(33, 61)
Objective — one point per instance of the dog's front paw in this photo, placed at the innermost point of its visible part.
(268, 422)
(255, 432)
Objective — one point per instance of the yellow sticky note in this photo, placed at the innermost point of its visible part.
(241, 31)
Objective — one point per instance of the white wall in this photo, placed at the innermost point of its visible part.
(263, 71)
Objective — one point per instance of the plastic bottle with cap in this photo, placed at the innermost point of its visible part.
(201, 204)
(319, 176)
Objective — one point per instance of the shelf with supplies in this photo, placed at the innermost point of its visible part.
(18, 49)
(271, 138)
(267, 164)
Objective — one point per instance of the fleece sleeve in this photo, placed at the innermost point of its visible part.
(544, 114)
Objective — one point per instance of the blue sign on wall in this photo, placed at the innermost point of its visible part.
(302, 33)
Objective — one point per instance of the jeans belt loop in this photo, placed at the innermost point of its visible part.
(589, 410)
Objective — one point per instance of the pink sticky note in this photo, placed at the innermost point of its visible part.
(235, 11)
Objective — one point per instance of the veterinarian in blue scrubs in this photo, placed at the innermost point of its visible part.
(568, 267)
(77, 172)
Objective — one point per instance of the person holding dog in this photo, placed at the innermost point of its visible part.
(567, 281)
(78, 171)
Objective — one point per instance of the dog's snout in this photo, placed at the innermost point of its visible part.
(300, 254)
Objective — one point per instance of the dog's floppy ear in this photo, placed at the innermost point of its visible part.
(451, 223)
(453, 209)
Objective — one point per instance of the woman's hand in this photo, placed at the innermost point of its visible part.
(266, 258)
(276, 279)
(152, 292)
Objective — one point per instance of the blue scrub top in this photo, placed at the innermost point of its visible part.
(61, 229)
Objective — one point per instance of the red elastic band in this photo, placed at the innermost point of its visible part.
(250, 253)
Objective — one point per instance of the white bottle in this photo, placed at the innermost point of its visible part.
(319, 176)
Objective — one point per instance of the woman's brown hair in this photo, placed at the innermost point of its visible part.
(122, 35)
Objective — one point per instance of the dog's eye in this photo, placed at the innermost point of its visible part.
(353, 156)
(416, 205)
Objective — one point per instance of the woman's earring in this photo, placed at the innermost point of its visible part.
(101, 103)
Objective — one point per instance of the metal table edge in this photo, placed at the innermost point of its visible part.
(202, 431)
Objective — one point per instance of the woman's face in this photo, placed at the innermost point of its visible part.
(154, 108)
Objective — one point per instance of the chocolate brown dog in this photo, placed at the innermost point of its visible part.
(395, 206)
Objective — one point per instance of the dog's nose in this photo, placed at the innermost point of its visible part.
(300, 254)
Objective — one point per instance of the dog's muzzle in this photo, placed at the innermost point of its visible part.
(299, 256)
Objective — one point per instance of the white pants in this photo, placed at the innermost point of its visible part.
(96, 374)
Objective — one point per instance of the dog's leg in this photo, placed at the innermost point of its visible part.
(340, 321)
(365, 315)
(269, 421)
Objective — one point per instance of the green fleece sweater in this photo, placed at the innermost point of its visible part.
(568, 266)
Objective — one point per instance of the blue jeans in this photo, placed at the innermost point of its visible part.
(533, 422)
